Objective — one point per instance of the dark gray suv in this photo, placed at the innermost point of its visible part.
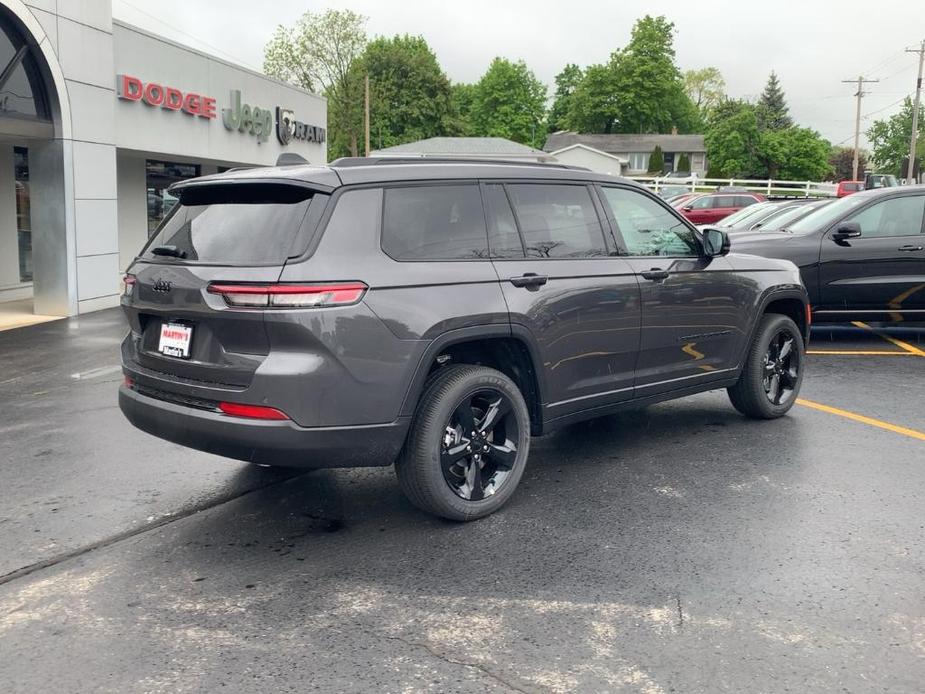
(436, 315)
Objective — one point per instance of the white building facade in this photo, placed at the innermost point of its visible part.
(97, 119)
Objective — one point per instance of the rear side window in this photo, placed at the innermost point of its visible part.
(744, 201)
(434, 223)
(233, 224)
(503, 238)
(557, 221)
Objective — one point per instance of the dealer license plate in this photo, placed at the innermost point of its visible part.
(175, 340)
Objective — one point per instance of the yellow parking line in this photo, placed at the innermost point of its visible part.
(912, 349)
(869, 353)
(912, 433)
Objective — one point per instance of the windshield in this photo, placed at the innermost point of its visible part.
(825, 215)
(746, 212)
(791, 214)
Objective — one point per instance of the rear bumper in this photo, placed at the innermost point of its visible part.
(268, 442)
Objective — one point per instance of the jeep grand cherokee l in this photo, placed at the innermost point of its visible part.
(438, 315)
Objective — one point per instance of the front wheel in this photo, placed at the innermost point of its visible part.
(468, 444)
(773, 371)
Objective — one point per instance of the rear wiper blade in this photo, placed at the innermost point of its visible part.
(171, 251)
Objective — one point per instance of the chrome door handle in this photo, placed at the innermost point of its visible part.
(910, 248)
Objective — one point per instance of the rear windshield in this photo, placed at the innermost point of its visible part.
(233, 224)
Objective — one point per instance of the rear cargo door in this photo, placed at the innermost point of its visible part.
(240, 234)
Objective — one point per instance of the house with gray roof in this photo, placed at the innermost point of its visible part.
(599, 151)
(465, 148)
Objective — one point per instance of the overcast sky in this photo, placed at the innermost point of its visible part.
(812, 44)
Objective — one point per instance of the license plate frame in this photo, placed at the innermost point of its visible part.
(175, 340)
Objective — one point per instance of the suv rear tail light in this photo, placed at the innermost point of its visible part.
(290, 295)
(128, 285)
(236, 409)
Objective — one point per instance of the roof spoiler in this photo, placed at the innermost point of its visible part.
(291, 159)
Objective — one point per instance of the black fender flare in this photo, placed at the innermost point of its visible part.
(795, 291)
(467, 334)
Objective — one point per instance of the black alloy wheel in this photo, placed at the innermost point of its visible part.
(769, 383)
(781, 368)
(467, 444)
(480, 445)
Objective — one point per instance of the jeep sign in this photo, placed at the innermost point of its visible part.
(251, 120)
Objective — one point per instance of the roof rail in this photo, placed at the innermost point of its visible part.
(345, 162)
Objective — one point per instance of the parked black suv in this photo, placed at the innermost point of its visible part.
(437, 315)
(862, 257)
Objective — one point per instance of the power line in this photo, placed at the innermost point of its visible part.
(871, 113)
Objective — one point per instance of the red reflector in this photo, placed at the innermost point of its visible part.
(290, 295)
(252, 411)
(128, 381)
(809, 315)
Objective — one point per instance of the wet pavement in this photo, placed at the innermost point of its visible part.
(678, 548)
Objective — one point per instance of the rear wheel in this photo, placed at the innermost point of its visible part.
(468, 444)
(773, 371)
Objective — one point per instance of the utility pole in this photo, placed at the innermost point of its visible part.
(366, 115)
(915, 112)
(857, 122)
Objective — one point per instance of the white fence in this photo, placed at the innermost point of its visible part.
(765, 187)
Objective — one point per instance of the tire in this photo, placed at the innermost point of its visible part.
(754, 394)
(426, 475)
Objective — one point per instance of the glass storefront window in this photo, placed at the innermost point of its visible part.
(23, 212)
(22, 90)
(159, 176)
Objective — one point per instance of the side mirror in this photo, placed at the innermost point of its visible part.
(687, 208)
(715, 242)
(845, 231)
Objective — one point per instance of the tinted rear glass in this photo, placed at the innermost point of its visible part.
(558, 221)
(233, 224)
(434, 223)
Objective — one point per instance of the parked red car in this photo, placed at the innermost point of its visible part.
(848, 187)
(710, 208)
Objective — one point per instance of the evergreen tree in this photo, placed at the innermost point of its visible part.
(773, 113)
(684, 163)
(656, 160)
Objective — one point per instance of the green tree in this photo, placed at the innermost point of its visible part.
(656, 160)
(732, 141)
(684, 163)
(773, 113)
(317, 54)
(462, 97)
(842, 162)
(706, 88)
(594, 106)
(889, 139)
(410, 96)
(567, 82)
(509, 101)
(794, 154)
(639, 91)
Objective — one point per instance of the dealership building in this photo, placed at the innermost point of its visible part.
(97, 119)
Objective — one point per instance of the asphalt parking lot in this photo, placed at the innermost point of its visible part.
(678, 548)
